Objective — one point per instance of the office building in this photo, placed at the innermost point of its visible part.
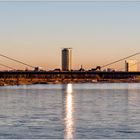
(66, 59)
(131, 66)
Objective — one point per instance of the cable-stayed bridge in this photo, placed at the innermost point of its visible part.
(33, 67)
(35, 76)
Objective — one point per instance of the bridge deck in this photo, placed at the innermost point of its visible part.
(68, 73)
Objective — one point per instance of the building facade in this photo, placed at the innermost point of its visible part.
(67, 59)
(131, 66)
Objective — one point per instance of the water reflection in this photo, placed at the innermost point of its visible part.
(69, 108)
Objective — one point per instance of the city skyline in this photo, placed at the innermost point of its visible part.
(99, 32)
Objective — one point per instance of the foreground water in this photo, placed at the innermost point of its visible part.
(70, 111)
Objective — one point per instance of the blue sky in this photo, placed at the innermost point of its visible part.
(98, 32)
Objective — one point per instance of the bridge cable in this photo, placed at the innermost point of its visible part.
(16, 60)
(7, 66)
(120, 60)
(129, 66)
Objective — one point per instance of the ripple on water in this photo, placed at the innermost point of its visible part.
(89, 111)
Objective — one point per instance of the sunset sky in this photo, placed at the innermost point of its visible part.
(98, 32)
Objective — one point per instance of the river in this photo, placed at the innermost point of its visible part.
(72, 111)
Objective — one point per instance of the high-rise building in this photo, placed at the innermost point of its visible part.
(66, 59)
(131, 65)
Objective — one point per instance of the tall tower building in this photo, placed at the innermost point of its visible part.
(131, 65)
(66, 59)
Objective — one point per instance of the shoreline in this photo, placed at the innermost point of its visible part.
(65, 77)
(13, 82)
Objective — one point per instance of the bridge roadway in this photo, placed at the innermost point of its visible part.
(100, 73)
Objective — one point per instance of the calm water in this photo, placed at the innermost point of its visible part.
(70, 111)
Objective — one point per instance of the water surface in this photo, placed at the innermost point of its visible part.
(70, 111)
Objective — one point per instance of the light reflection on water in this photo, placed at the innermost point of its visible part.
(69, 122)
(72, 111)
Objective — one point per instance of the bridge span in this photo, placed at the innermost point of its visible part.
(70, 74)
(45, 77)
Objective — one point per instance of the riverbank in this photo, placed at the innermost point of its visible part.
(23, 81)
(46, 77)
